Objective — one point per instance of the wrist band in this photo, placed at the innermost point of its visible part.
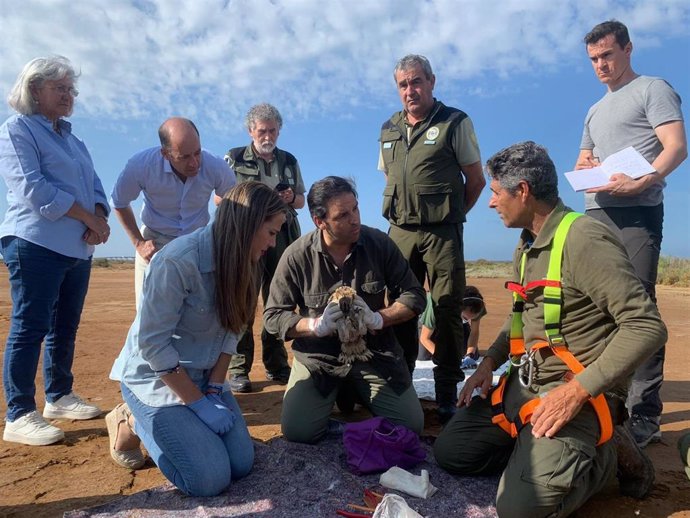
(174, 370)
(214, 388)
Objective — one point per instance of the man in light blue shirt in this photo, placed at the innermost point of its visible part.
(177, 180)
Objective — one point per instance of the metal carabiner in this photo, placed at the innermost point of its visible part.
(518, 364)
(526, 369)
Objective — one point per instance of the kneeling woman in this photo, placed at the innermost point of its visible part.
(199, 293)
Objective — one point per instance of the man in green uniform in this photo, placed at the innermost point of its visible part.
(263, 162)
(557, 456)
(430, 156)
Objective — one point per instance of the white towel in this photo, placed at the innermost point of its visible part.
(415, 485)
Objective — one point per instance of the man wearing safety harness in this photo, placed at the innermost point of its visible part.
(581, 323)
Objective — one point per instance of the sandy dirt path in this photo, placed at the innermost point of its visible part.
(77, 473)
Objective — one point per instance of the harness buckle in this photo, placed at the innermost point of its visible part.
(556, 340)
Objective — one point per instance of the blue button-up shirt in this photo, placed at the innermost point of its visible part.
(171, 207)
(177, 322)
(46, 173)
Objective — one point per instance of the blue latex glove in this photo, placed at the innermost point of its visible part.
(468, 363)
(218, 401)
(213, 412)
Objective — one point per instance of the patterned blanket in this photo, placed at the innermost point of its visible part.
(298, 480)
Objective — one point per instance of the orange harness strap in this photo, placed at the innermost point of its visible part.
(526, 410)
(556, 342)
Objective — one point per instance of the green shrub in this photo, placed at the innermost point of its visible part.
(101, 262)
(491, 269)
(674, 271)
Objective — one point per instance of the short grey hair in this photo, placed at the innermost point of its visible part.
(527, 162)
(411, 61)
(34, 73)
(262, 112)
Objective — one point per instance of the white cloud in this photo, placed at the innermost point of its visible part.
(150, 58)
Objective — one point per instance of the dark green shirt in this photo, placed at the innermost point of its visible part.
(304, 280)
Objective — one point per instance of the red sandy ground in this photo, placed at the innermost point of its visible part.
(46, 481)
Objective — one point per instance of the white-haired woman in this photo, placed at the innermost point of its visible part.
(200, 291)
(57, 211)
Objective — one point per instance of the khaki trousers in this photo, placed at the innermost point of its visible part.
(306, 412)
(140, 264)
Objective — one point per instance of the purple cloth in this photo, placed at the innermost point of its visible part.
(375, 445)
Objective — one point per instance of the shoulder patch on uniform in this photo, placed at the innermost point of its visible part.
(432, 133)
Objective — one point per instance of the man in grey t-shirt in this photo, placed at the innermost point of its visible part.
(643, 112)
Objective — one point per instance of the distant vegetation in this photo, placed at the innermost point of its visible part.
(673, 271)
(117, 263)
(492, 269)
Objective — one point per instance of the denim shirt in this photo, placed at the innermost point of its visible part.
(176, 323)
(171, 207)
(46, 173)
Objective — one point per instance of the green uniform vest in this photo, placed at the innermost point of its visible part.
(246, 167)
(424, 185)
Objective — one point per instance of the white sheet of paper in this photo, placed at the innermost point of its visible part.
(627, 161)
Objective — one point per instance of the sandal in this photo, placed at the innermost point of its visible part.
(129, 459)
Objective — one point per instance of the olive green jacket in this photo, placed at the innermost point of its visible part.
(248, 166)
(609, 322)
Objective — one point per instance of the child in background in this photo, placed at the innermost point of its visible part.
(473, 309)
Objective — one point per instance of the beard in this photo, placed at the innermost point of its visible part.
(267, 147)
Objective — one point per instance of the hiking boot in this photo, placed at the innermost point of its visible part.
(684, 449)
(346, 398)
(70, 406)
(635, 468)
(281, 377)
(645, 429)
(33, 430)
(446, 412)
(239, 383)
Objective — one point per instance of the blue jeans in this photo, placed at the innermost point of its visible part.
(195, 459)
(48, 291)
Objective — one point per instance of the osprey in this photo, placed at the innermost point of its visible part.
(351, 328)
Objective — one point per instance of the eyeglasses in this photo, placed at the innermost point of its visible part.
(62, 90)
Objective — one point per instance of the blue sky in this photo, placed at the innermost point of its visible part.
(518, 68)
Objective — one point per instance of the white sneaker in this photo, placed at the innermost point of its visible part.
(33, 430)
(70, 406)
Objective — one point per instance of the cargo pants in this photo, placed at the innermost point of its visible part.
(540, 477)
(436, 252)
